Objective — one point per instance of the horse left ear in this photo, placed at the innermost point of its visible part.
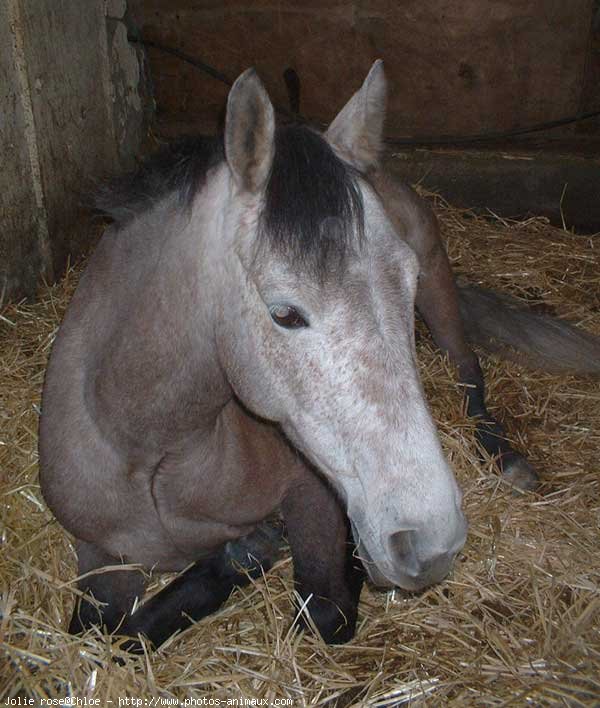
(356, 134)
(249, 132)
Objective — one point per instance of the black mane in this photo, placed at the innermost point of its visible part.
(179, 168)
(313, 206)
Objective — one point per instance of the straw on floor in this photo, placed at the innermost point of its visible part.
(516, 623)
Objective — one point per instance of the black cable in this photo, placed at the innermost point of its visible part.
(484, 137)
(398, 142)
(206, 68)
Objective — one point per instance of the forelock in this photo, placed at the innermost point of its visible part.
(313, 212)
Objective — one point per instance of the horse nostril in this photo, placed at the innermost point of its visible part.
(403, 546)
(419, 565)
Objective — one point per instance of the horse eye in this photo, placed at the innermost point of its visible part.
(287, 317)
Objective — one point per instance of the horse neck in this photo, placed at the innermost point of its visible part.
(193, 278)
(208, 253)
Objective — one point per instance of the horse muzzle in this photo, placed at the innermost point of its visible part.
(409, 560)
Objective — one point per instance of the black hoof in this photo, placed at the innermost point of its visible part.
(85, 616)
(520, 474)
(334, 626)
(130, 646)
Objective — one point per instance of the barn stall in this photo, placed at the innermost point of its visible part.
(91, 89)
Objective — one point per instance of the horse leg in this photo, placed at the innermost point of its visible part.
(328, 577)
(110, 594)
(203, 588)
(437, 301)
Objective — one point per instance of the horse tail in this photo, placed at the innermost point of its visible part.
(500, 324)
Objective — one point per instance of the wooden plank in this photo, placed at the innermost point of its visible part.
(24, 247)
(457, 66)
(71, 114)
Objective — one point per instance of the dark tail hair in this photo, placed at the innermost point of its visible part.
(502, 325)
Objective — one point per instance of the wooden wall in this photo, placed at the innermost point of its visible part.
(455, 66)
(71, 111)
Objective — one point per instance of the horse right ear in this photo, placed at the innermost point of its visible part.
(249, 132)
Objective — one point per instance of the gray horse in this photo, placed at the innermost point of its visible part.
(242, 342)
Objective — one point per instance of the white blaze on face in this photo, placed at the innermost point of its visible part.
(368, 427)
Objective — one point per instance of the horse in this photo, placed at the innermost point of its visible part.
(240, 349)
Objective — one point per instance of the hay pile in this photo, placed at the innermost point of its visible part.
(518, 622)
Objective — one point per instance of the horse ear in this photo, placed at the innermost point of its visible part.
(249, 132)
(356, 134)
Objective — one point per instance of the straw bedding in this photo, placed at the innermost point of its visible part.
(516, 623)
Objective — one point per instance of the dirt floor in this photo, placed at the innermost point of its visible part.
(517, 623)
